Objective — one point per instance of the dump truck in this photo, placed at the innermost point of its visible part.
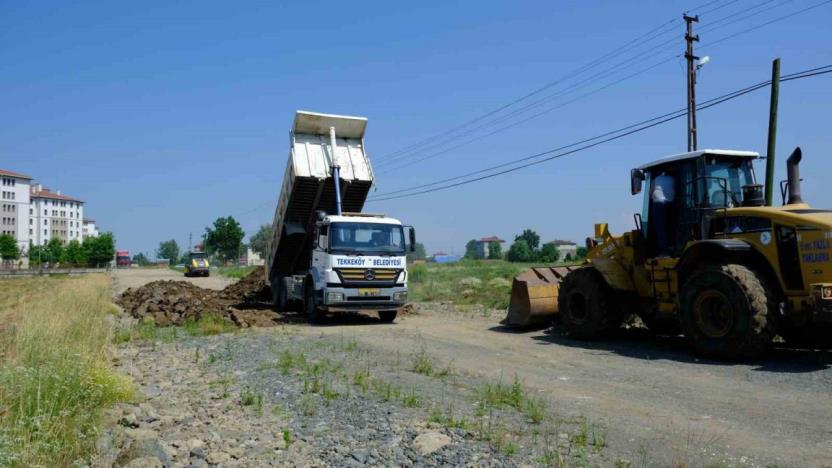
(325, 255)
(715, 262)
(197, 264)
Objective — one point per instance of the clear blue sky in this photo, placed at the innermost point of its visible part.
(163, 116)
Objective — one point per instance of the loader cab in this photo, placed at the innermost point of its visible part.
(702, 183)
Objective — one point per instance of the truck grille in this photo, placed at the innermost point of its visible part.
(365, 276)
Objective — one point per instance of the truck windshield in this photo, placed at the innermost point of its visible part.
(198, 255)
(366, 238)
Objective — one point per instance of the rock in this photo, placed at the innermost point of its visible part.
(197, 452)
(194, 443)
(129, 420)
(360, 456)
(144, 462)
(142, 446)
(429, 442)
(218, 458)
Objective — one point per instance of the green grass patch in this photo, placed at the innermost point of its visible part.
(237, 272)
(515, 396)
(55, 372)
(468, 282)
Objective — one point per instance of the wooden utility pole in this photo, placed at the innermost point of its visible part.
(772, 131)
(690, 39)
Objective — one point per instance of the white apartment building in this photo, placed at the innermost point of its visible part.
(14, 206)
(54, 215)
(89, 228)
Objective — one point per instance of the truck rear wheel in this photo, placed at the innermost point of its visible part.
(727, 312)
(279, 294)
(310, 303)
(387, 316)
(587, 305)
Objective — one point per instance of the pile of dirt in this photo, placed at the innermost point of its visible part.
(251, 288)
(174, 302)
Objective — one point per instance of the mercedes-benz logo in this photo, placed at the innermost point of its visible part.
(369, 275)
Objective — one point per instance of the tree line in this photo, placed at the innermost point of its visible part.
(525, 248)
(92, 252)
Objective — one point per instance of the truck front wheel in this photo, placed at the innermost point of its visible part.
(310, 303)
(387, 316)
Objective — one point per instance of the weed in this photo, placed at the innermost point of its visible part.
(411, 400)
(422, 363)
(308, 405)
(361, 379)
(514, 396)
(287, 438)
(196, 355)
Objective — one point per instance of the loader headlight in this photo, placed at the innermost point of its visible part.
(333, 297)
(400, 296)
(827, 292)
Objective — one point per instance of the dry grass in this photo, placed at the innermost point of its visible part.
(55, 375)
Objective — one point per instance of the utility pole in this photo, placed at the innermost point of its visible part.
(190, 241)
(690, 39)
(772, 131)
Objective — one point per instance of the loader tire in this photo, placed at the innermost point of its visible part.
(587, 305)
(727, 312)
(314, 315)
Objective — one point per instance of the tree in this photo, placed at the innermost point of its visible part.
(519, 251)
(8, 248)
(225, 239)
(581, 252)
(259, 242)
(531, 238)
(141, 259)
(74, 254)
(54, 252)
(100, 250)
(471, 250)
(419, 254)
(495, 251)
(549, 253)
(168, 250)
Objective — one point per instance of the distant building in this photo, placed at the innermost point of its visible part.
(251, 258)
(14, 207)
(565, 248)
(482, 245)
(89, 229)
(55, 216)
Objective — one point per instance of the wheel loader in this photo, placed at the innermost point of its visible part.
(715, 263)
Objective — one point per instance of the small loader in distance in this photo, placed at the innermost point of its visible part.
(733, 274)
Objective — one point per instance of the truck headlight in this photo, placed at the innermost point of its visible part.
(827, 292)
(402, 277)
(400, 296)
(332, 297)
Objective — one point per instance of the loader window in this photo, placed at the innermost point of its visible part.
(724, 179)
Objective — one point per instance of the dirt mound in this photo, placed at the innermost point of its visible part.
(174, 302)
(252, 288)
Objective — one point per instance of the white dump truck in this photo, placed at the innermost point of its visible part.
(325, 254)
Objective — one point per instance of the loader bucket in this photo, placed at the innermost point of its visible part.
(534, 296)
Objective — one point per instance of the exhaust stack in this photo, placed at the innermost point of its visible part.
(793, 174)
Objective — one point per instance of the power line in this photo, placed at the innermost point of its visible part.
(385, 166)
(653, 123)
(650, 35)
(754, 28)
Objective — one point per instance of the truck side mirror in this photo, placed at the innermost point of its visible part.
(636, 181)
(412, 239)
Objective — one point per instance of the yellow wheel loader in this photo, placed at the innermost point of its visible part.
(707, 257)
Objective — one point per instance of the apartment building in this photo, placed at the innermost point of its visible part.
(14, 206)
(89, 228)
(54, 215)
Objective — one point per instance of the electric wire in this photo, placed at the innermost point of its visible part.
(617, 134)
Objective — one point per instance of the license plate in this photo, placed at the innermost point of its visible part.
(364, 292)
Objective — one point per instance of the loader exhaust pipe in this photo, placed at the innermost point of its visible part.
(793, 175)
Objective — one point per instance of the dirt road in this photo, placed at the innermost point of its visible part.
(137, 277)
(659, 404)
(652, 394)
